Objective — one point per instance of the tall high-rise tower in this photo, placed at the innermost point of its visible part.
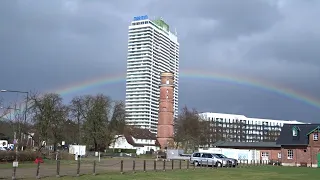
(166, 111)
(152, 49)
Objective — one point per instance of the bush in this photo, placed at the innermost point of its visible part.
(10, 156)
(66, 156)
(124, 151)
(62, 155)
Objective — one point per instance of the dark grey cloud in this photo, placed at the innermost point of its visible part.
(45, 45)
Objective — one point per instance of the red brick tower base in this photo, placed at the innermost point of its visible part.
(166, 111)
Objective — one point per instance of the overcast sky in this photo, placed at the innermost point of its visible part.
(49, 44)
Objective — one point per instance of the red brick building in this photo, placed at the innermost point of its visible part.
(300, 145)
(268, 150)
(166, 111)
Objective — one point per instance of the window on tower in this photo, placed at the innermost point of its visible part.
(167, 81)
(167, 91)
(167, 96)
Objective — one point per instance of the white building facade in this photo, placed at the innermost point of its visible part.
(239, 128)
(140, 145)
(152, 49)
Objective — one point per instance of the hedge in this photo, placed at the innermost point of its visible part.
(61, 155)
(124, 150)
(10, 156)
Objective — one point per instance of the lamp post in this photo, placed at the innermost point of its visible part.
(27, 100)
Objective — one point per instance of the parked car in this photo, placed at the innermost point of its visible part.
(219, 160)
(199, 159)
(222, 158)
(3, 149)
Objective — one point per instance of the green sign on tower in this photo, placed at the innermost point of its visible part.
(162, 24)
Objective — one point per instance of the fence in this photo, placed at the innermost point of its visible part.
(94, 167)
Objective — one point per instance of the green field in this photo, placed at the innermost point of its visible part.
(246, 173)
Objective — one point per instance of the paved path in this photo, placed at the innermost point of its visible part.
(110, 165)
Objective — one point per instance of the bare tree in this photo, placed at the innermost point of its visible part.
(117, 123)
(78, 112)
(188, 129)
(118, 115)
(100, 118)
(49, 116)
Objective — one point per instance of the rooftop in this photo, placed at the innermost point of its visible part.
(246, 144)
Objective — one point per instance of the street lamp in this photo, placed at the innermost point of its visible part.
(27, 100)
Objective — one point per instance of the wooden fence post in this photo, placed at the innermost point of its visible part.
(155, 165)
(144, 166)
(78, 166)
(188, 164)
(38, 171)
(58, 168)
(121, 166)
(164, 165)
(14, 164)
(94, 167)
(134, 166)
(172, 164)
(180, 164)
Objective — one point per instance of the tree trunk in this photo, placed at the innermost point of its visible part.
(54, 146)
(95, 144)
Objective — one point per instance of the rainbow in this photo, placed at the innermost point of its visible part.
(193, 74)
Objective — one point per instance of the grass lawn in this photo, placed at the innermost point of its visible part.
(247, 173)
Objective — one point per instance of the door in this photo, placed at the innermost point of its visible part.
(318, 158)
(206, 159)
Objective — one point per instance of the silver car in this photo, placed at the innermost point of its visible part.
(210, 159)
(199, 159)
(223, 160)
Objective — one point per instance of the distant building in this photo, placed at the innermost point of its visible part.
(264, 151)
(141, 140)
(152, 49)
(239, 128)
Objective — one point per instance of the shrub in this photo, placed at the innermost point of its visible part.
(62, 155)
(66, 156)
(9, 156)
(27, 156)
(124, 150)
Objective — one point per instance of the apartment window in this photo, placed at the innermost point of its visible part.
(315, 136)
(279, 155)
(290, 154)
(265, 154)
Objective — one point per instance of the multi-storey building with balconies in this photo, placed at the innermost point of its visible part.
(239, 128)
(152, 49)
